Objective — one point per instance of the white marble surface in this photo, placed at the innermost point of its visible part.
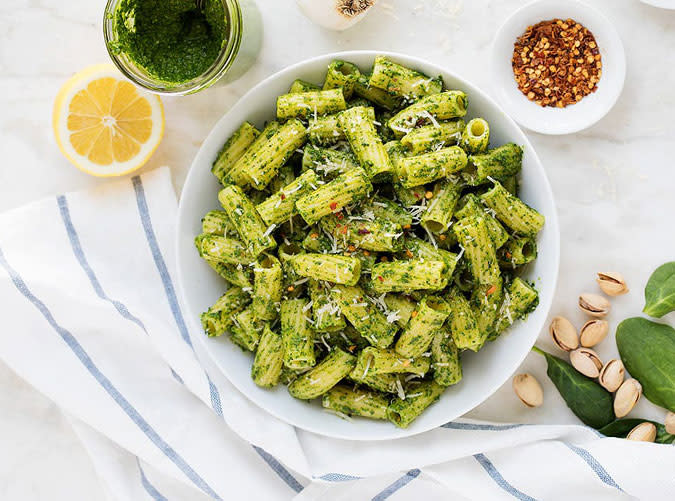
(613, 183)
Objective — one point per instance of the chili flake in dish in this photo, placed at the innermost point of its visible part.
(556, 63)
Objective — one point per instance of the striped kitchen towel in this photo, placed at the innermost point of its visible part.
(92, 321)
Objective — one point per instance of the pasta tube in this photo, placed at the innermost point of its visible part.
(359, 130)
(269, 359)
(246, 220)
(403, 412)
(324, 376)
(341, 74)
(306, 104)
(408, 276)
(512, 211)
(364, 316)
(419, 333)
(297, 335)
(233, 149)
(266, 287)
(348, 188)
(218, 318)
(359, 402)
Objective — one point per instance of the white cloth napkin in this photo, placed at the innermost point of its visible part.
(91, 320)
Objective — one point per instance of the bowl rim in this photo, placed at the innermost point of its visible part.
(591, 15)
(552, 224)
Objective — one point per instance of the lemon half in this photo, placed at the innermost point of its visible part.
(105, 125)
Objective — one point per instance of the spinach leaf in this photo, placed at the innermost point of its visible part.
(587, 399)
(621, 427)
(660, 291)
(647, 350)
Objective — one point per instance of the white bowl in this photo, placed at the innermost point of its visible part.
(590, 109)
(199, 286)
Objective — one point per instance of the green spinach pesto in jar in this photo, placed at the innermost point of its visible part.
(172, 40)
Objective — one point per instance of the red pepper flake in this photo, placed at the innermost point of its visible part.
(313, 236)
(291, 288)
(413, 314)
(384, 259)
(379, 277)
(408, 253)
(406, 226)
(340, 215)
(344, 229)
(508, 255)
(366, 253)
(283, 197)
(416, 195)
(428, 195)
(351, 248)
(491, 290)
(442, 237)
(333, 205)
(352, 348)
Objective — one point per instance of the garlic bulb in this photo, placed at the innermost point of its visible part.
(335, 14)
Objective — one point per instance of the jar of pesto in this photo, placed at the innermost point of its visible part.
(173, 46)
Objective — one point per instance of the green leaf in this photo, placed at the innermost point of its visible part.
(589, 401)
(621, 427)
(660, 291)
(647, 350)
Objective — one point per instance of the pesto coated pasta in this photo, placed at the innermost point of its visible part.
(370, 234)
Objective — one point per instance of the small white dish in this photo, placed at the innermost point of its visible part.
(660, 4)
(199, 286)
(575, 117)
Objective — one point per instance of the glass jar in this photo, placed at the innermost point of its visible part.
(138, 75)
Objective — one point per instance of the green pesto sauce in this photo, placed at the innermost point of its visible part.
(171, 39)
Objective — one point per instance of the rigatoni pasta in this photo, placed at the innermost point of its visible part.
(369, 233)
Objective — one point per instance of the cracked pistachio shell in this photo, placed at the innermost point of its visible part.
(592, 332)
(626, 397)
(612, 283)
(644, 432)
(528, 390)
(612, 374)
(594, 304)
(564, 334)
(670, 423)
(586, 361)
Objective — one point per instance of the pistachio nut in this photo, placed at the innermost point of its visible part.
(626, 397)
(528, 389)
(586, 361)
(611, 375)
(670, 423)
(644, 432)
(564, 334)
(593, 304)
(612, 283)
(592, 332)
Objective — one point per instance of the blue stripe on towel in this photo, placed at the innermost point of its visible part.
(169, 289)
(107, 385)
(499, 480)
(338, 477)
(401, 482)
(76, 246)
(159, 259)
(285, 475)
(149, 488)
(81, 258)
(182, 327)
(454, 425)
(595, 465)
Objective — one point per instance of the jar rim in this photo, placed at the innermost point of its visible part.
(141, 78)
